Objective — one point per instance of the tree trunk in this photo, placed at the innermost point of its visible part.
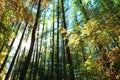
(52, 55)
(15, 72)
(69, 60)
(40, 50)
(64, 60)
(36, 60)
(15, 55)
(4, 62)
(32, 66)
(57, 55)
(27, 61)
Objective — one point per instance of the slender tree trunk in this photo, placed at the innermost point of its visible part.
(2, 47)
(64, 60)
(52, 55)
(36, 61)
(21, 60)
(44, 60)
(5, 60)
(15, 72)
(27, 61)
(41, 43)
(13, 60)
(42, 34)
(45, 55)
(45, 51)
(32, 66)
(69, 60)
(57, 55)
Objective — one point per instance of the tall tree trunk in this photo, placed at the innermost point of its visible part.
(21, 60)
(69, 60)
(57, 55)
(27, 61)
(52, 55)
(45, 54)
(36, 60)
(3, 45)
(64, 60)
(32, 66)
(15, 55)
(41, 43)
(6, 57)
(15, 72)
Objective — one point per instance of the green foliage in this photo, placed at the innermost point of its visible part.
(5, 34)
(101, 28)
(93, 33)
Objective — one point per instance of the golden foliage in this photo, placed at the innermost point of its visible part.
(44, 2)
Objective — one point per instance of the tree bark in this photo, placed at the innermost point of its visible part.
(13, 60)
(32, 66)
(27, 61)
(64, 60)
(6, 57)
(69, 60)
(57, 55)
(52, 55)
(15, 72)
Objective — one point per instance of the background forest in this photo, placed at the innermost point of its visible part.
(59, 39)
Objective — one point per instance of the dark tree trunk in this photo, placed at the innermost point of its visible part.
(6, 57)
(36, 61)
(45, 55)
(15, 72)
(64, 61)
(32, 66)
(13, 60)
(52, 55)
(27, 61)
(3, 45)
(40, 52)
(57, 55)
(21, 60)
(69, 60)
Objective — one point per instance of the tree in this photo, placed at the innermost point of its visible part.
(6, 57)
(69, 60)
(57, 54)
(26, 63)
(16, 53)
(52, 55)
